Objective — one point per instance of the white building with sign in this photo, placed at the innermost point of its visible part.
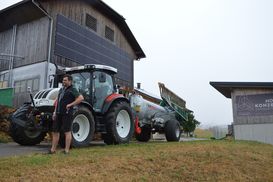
(252, 105)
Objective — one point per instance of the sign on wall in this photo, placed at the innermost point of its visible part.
(254, 105)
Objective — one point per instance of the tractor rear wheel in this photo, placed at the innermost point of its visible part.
(119, 124)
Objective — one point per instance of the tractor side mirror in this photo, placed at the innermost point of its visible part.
(31, 96)
(51, 80)
(29, 90)
(102, 78)
(116, 88)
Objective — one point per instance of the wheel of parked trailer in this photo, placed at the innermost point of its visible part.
(145, 134)
(172, 130)
(119, 124)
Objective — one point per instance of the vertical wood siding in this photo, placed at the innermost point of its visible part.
(5, 48)
(32, 42)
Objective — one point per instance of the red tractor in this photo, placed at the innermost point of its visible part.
(103, 110)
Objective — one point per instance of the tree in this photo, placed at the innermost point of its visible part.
(190, 125)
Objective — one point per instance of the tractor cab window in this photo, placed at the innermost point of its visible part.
(81, 81)
(103, 87)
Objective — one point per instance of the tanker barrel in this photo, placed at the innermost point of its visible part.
(143, 107)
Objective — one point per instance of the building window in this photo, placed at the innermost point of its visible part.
(109, 33)
(22, 86)
(35, 85)
(61, 61)
(91, 22)
(17, 87)
(4, 80)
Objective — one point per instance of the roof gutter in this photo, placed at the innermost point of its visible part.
(49, 44)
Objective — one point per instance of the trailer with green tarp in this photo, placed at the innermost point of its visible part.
(6, 95)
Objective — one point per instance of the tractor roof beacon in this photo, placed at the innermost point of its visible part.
(103, 110)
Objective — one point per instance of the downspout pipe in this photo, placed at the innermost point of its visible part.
(13, 40)
(49, 44)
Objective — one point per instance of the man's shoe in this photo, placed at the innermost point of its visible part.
(51, 152)
(65, 152)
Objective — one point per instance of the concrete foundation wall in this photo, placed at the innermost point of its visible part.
(254, 132)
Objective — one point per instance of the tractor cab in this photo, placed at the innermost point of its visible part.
(94, 82)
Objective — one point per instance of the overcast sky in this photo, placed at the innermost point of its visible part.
(189, 43)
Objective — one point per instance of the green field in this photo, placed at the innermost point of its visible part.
(153, 161)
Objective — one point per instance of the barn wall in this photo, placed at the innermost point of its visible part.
(83, 46)
(5, 48)
(77, 10)
(32, 42)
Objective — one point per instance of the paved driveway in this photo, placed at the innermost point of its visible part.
(14, 149)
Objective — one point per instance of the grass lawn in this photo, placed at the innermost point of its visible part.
(4, 138)
(153, 161)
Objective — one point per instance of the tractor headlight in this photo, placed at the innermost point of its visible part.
(43, 102)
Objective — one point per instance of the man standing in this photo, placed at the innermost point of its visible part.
(62, 116)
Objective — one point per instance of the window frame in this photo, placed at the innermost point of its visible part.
(92, 24)
(109, 33)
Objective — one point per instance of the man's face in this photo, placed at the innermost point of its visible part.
(66, 82)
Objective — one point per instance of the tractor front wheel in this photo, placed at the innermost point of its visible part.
(82, 128)
(20, 134)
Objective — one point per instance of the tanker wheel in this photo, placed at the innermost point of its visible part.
(119, 124)
(82, 129)
(22, 136)
(172, 131)
(145, 134)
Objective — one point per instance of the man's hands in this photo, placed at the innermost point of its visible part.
(68, 106)
(77, 101)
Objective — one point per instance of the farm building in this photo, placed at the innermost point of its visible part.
(252, 105)
(38, 35)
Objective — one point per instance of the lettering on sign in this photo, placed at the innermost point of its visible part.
(254, 105)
